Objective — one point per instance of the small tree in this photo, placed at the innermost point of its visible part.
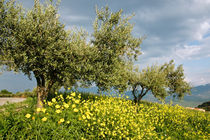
(116, 48)
(161, 81)
(38, 44)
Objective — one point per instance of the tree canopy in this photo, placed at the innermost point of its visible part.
(116, 48)
(38, 44)
(161, 81)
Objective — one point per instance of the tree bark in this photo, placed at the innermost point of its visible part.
(42, 90)
(134, 94)
(142, 94)
(41, 95)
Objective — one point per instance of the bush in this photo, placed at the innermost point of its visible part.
(4, 91)
(6, 95)
(26, 93)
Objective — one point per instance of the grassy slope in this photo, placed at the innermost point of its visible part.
(106, 117)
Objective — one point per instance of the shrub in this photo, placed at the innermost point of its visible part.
(4, 91)
(26, 93)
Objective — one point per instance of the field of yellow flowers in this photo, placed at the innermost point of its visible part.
(73, 117)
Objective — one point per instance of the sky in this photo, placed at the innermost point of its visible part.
(174, 29)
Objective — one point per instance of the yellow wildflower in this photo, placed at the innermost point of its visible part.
(77, 101)
(49, 103)
(57, 106)
(73, 106)
(83, 116)
(58, 111)
(68, 122)
(44, 119)
(73, 94)
(28, 115)
(88, 116)
(38, 109)
(53, 100)
(62, 120)
(33, 118)
(102, 124)
(43, 110)
(76, 110)
(66, 105)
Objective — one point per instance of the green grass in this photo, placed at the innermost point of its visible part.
(94, 117)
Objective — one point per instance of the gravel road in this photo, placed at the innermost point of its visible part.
(10, 100)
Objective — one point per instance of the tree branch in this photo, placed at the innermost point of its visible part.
(142, 90)
(133, 92)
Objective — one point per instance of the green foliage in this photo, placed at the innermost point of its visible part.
(101, 118)
(38, 44)
(116, 48)
(176, 80)
(160, 80)
(205, 105)
(4, 91)
(24, 94)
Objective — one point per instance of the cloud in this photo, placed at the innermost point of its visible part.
(170, 27)
(198, 78)
(203, 29)
(73, 18)
(195, 51)
(187, 52)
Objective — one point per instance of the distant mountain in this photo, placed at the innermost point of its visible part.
(205, 105)
(200, 94)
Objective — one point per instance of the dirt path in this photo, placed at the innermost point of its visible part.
(11, 100)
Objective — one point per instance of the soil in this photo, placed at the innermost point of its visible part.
(10, 100)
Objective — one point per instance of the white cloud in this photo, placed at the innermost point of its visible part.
(188, 51)
(198, 78)
(202, 30)
(194, 51)
(73, 18)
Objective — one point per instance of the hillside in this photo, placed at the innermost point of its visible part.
(87, 116)
(205, 105)
(200, 94)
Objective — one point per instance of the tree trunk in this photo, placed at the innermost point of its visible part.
(42, 89)
(134, 94)
(142, 94)
(139, 99)
(41, 96)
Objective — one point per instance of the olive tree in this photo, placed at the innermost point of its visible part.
(38, 45)
(161, 81)
(116, 48)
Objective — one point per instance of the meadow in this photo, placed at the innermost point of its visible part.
(87, 116)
